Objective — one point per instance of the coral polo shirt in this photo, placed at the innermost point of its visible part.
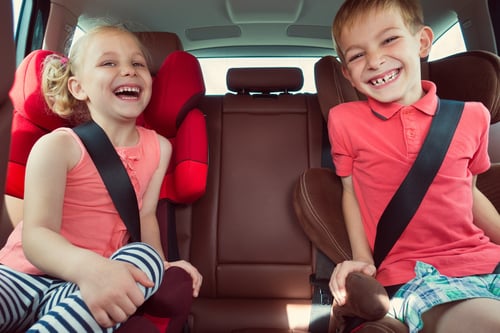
(377, 144)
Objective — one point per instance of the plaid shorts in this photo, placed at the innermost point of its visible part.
(429, 288)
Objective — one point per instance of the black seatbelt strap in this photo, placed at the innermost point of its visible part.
(113, 174)
(173, 244)
(409, 195)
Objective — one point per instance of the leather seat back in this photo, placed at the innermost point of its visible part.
(244, 236)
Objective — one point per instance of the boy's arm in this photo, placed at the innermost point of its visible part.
(361, 252)
(352, 215)
(359, 244)
(485, 214)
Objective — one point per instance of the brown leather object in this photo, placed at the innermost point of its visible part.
(366, 297)
(317, 203)
(384, 325)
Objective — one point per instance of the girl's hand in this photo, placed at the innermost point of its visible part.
(195, 275)
(339, 275)
(109, 289)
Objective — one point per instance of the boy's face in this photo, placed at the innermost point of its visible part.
(382, 56)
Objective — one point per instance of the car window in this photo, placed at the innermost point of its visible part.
(451, 42)
(215, 70)
(16, 7)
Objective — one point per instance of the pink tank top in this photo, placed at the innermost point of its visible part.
(90, 219)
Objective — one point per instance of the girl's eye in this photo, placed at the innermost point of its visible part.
(108, 63)
(139, 64)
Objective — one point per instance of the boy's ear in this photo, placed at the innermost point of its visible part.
(76, 89)
(426, 38)
(346, 74)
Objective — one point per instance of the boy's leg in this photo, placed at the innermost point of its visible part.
(65, 311)
(478, 315)
(20, 296)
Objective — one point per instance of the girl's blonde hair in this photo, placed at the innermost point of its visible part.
(57, 70)
(352, 10)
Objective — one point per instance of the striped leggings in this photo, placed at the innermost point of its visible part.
(39, 304)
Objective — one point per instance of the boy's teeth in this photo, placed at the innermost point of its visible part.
(385, 79)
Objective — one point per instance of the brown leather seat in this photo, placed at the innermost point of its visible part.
(243, 235)
(473, 75)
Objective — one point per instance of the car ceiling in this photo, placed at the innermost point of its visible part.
(242, 27)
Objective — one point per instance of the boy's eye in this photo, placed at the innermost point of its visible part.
(139, 64)
(354, 57)
(390, 39)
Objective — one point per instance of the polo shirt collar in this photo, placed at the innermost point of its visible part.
(427, 104)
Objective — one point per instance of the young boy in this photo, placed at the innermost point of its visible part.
(445, 256)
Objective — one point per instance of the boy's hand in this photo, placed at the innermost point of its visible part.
(192, 271)
(339, 276)
(109, 289)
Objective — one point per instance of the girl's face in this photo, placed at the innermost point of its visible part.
(113, 77)
(382, 56)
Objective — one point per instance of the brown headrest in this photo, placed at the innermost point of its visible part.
(264, 80)
(468, 76)
(160, 44)
(332, 87)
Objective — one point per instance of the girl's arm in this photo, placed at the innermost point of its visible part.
(46, 171)
(99, 278)
(485, 214)
(150, 232)
(361, 252)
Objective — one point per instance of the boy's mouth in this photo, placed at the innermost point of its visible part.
(127, 92)
(385, 79)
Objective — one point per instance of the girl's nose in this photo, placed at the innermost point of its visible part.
(129, 70)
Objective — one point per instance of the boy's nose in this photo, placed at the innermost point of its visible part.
(375, 59)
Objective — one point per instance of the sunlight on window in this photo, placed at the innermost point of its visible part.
(215, 69)
(16, 8)
(450, 43)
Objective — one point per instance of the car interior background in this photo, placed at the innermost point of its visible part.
(243, 181)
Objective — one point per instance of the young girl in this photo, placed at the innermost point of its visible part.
(77, 272)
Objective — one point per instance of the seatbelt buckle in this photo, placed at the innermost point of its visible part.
(321, 285)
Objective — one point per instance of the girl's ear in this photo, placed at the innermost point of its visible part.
(426, 37)
(76, 89)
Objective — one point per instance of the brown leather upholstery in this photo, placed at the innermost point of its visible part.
(264, 80)
(7, 68)
(243, 234)
(472, 76)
